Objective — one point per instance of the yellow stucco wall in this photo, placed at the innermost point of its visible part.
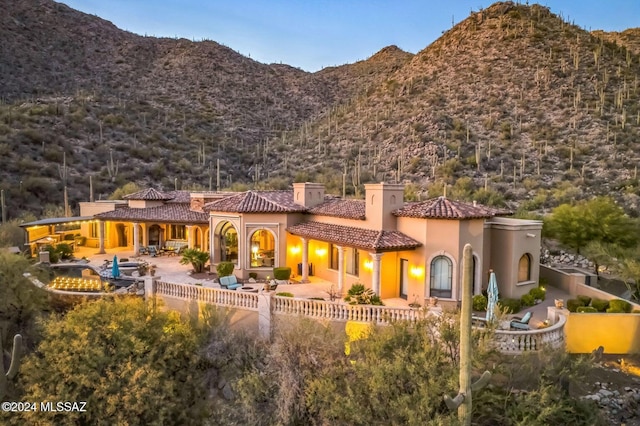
(617, 333)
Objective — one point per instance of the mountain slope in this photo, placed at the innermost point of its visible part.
(513, 99)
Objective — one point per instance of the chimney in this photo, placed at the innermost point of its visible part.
(308, 194)
(381, 199)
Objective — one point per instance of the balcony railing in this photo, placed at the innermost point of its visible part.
(509, 342)
(215, 296)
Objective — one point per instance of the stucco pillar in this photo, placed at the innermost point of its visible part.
(101, 237)
(375, 279)
(264, 314)
(340, 267)
(190, 236)
(136, 239)
(305, 260)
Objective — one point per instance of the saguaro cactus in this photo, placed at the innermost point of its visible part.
(462, 401)
(13, 367)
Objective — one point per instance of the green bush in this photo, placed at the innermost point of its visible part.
(284, 294)
(282, 273)
(225, 269)
(586, 300)
(538, 293)
(586, 309)
(196, 258)
(479, 302)
(527, 300)
(615, 311)
(510, 306)
(253, 275)
(54, 257)
(600, 304)
(64, 251)
(619, 305)
(574, 304)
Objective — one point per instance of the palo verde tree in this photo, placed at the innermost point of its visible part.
(596, 220)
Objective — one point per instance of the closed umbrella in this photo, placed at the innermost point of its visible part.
(492, 299)
(115, 269)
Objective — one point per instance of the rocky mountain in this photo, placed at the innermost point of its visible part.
(524, 106)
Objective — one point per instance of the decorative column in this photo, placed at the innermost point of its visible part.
(340, 267)
(375, 282)
(101, 237)
(190, 236)
(136, 239)
(305, 260)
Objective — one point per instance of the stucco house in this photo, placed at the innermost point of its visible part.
(411, 250)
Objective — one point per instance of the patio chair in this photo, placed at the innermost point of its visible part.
(521, 323)
(143, 250)
(153, 251)
(230, 282)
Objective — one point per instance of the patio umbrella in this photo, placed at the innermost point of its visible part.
(115, 269)
(492, 299)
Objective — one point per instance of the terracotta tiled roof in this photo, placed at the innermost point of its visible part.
(256, 202)
(444, 208)
(351, 236)
(179, 196)
(169, 213)
(148, 194)
(337, 207)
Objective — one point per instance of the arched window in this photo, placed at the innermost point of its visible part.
(228, 243)
(262, 249)
(524, 268)
(441, 277)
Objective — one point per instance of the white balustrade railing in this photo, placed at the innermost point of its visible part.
(509, 342)
(215, 296)
(335, 311)
(515, 342)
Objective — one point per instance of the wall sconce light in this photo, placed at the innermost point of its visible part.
(321, 251)
(368, 265)
(294, 249)
(416, 271)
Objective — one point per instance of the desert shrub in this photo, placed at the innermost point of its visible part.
(586, 309)
(510, 306)
(282, 273)
(479, 302)
(284, 294)
(527, 300)
(225, 269)
(586, 300)
(600, 304)
(538, 293)
(619, 305)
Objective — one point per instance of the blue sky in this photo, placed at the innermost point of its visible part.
(313, 34)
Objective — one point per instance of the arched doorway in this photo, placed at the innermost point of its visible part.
(154, 235)
(227, 242)
(121, 235)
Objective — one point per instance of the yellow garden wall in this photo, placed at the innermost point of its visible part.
(617, 333)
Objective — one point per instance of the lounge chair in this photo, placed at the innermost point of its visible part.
(521, 323)
(230, 282)
(153, 251)
(143, 250)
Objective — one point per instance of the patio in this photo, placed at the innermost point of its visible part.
(169, 269)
